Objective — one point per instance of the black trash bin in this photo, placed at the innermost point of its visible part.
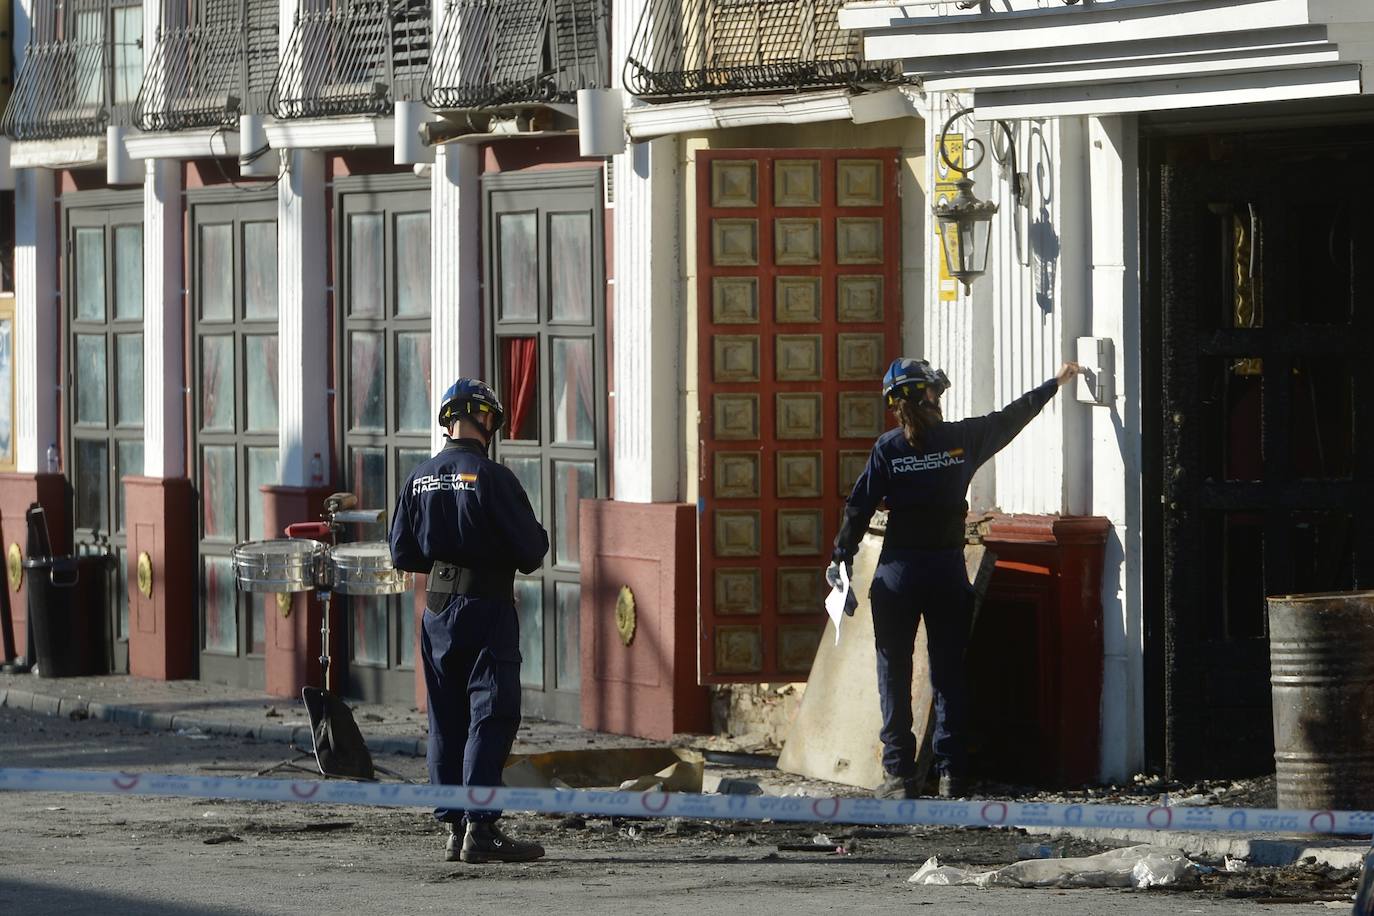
(67, 612)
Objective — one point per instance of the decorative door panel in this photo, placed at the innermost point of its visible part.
(799, 313)
(104, 399)
(546, 355)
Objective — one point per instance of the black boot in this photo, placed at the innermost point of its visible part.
(484, 842)
(898, 787)
(454, 843)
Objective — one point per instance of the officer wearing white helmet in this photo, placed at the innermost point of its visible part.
(466, 522)
(923, 470)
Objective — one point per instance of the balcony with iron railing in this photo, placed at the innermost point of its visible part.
(685, 49)
(500, 53)
(61, 91)
(207, 75)
(355, 59)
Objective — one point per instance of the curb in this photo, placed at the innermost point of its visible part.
(1259, 851)
(133, 717)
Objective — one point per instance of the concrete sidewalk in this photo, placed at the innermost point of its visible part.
(221, 710)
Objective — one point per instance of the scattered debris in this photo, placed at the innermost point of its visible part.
(372, 717)
(272, 713)
(1235, 864)
(194, 733)
(630, 769)
(1134, 866)
(220, 838)
(79, 714)
(573, 822)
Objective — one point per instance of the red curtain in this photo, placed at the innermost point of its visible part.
(521, 381)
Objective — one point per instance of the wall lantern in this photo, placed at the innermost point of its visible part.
(965, 223)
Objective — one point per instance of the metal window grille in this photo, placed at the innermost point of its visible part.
(503, 52)
(695, 48)
(354, 59)
(206, 74)
(75, 74)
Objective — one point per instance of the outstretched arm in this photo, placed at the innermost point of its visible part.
(996, 430)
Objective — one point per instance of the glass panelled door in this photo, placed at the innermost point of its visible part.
(105, 394)
(545, 304)
(384, 302)
(234, 365)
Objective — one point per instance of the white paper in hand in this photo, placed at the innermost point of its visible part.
(835, 601)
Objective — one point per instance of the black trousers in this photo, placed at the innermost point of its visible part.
(471, 655)
(910, 586)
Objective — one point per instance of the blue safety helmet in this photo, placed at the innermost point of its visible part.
(470, 399)
(905, 377)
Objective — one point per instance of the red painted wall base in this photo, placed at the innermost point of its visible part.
(648, 686)
(161, 521)
(17, 493)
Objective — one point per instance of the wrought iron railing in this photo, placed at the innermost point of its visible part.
(59, 92)
(492, 53)
(355, 59)
(696, 48)
(206, 75)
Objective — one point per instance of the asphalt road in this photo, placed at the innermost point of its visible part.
(76, 854)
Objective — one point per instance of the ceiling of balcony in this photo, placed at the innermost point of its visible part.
(1044, 58)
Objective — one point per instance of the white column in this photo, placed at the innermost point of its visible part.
(36, 325)
(455, 257)
(646, 346)
(1116, 490)
(164, 379)
(303, 320)
(646, 349)
(1075, 496)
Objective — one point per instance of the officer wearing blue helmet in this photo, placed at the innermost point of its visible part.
(464, 520)
(923, 469)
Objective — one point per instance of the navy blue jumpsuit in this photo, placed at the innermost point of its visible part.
(463, 508)
(921, 572)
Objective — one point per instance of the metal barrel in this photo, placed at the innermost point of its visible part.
(1321, 668)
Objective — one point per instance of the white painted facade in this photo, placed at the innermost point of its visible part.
(1069, 83)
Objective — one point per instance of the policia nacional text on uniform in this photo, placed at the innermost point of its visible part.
(923, 470)
(465, 521)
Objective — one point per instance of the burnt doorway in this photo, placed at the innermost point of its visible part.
(1268, 448)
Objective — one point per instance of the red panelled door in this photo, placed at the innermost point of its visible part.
(800, 311)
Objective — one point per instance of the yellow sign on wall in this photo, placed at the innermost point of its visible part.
(944, 192)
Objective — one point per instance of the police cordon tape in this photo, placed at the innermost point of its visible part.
(972, 813)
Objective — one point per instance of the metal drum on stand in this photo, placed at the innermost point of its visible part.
(1321, 668)
(365, 568)
(280, 565)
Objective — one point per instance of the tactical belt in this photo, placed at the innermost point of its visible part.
(448, 579)
(926, 528)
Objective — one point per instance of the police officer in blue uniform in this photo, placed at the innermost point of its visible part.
(923, 469)
(466, 522)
